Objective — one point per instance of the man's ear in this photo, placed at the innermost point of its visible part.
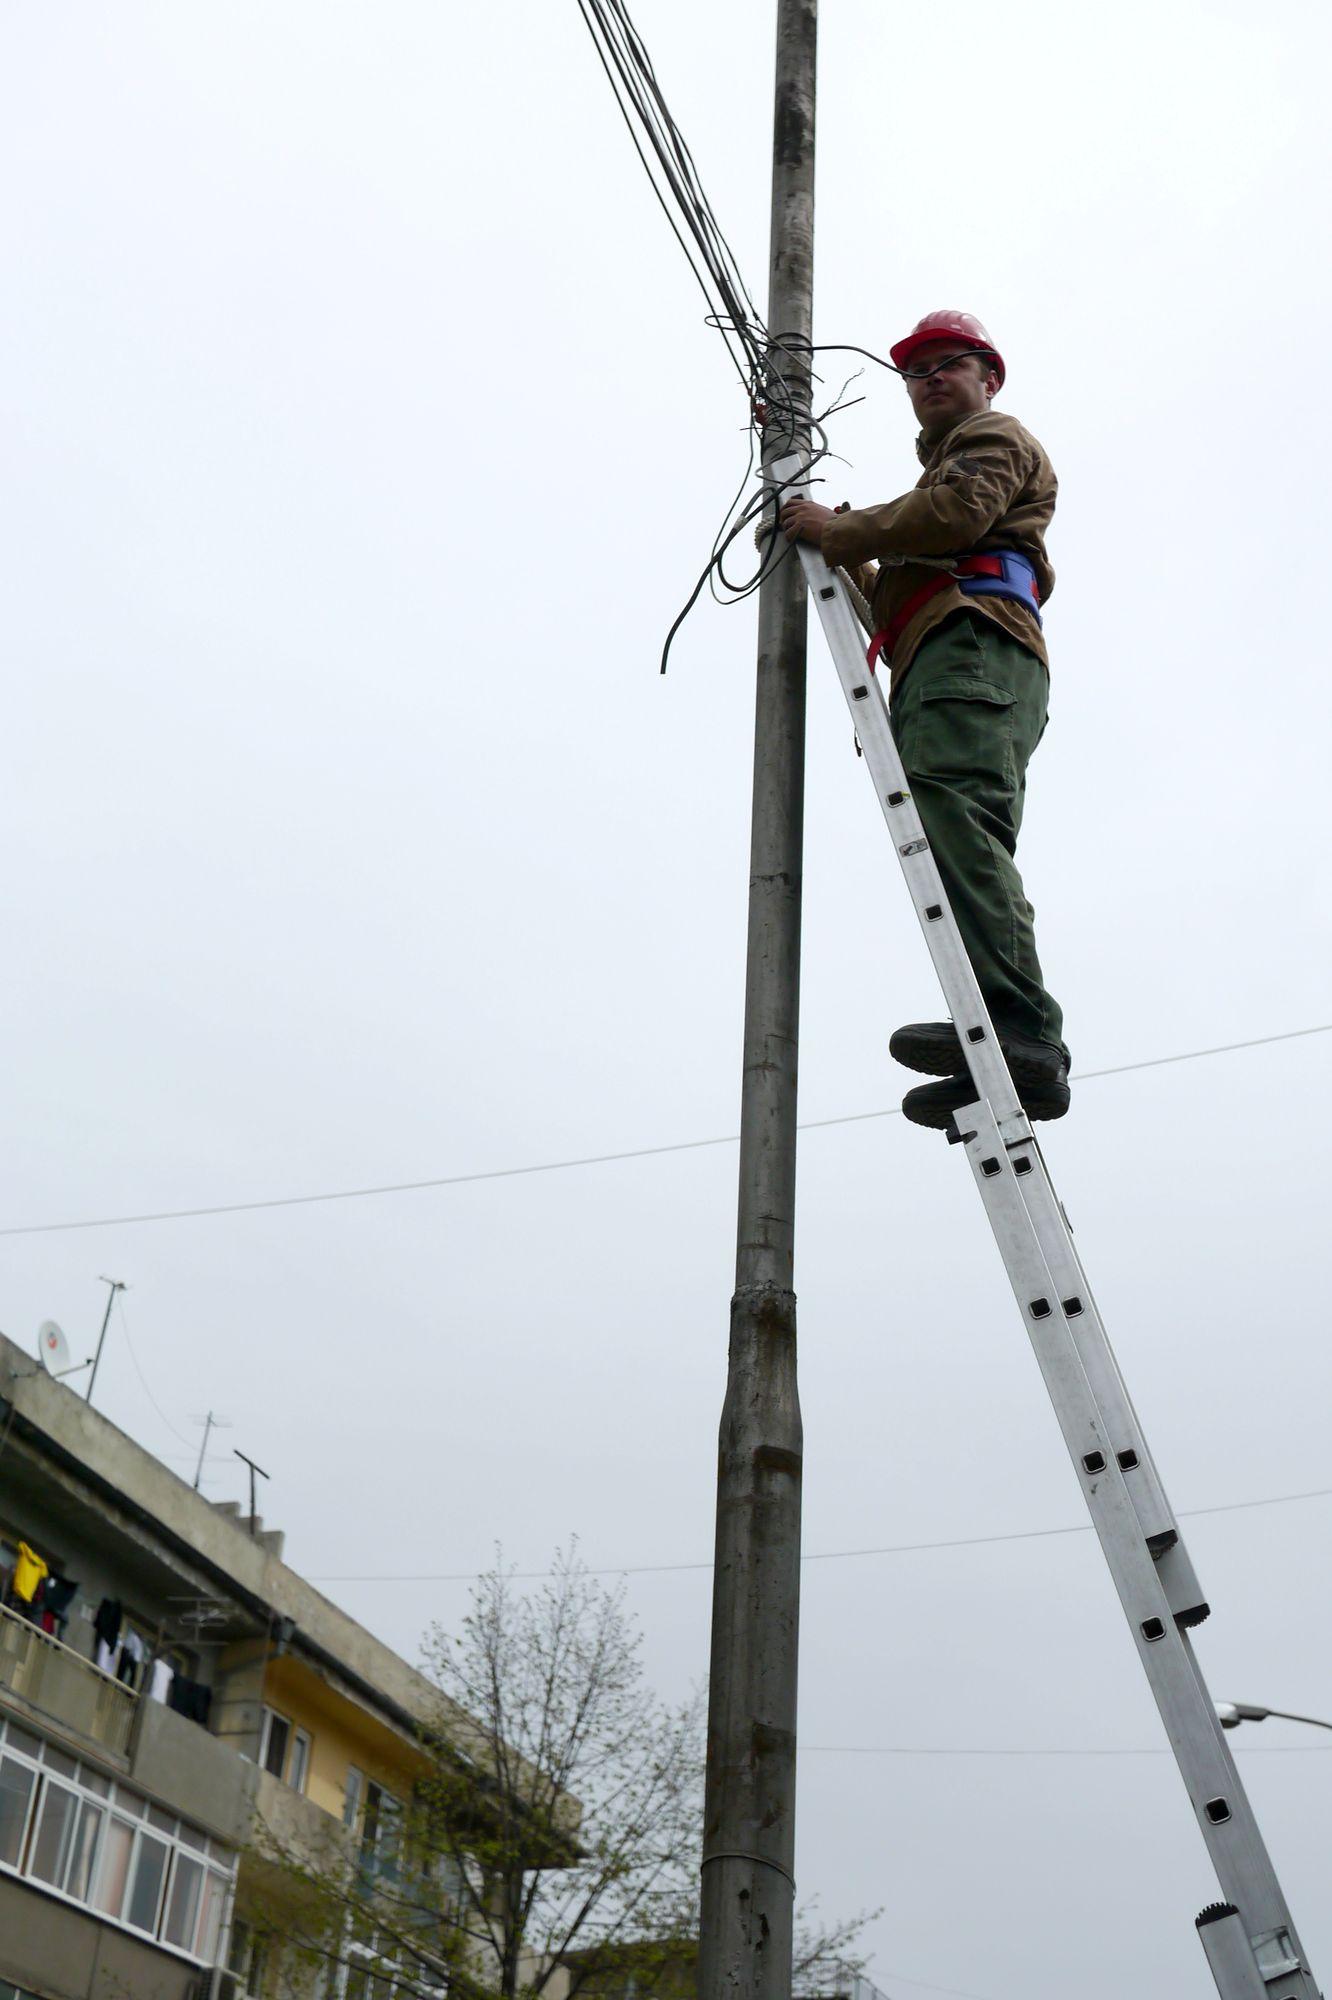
(992, 385)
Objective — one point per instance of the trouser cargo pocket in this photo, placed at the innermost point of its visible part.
(964, 730)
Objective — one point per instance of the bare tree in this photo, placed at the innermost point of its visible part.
(554, 1836)
(592, 1832)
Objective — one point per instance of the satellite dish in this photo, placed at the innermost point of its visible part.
(53, 1348)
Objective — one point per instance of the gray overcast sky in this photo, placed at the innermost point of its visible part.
(362, 438)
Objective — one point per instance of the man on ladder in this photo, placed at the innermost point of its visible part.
(962, 574)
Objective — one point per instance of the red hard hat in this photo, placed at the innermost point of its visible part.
(962, 327)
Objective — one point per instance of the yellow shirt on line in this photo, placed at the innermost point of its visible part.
(28, 1572)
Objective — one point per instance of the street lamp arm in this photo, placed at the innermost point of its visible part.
(1232, 1713)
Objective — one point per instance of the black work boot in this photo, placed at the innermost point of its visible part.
(935, 1048)
(933, 1104)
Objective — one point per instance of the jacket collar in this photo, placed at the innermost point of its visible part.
(929, 441)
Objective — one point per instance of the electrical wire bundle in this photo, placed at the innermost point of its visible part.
(676, 184)
(780, 419)
(778, 415)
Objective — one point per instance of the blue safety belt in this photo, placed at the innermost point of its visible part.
(1000, 573)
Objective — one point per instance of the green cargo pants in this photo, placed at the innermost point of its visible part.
(967, 715)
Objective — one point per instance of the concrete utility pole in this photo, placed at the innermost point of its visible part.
(749, 1823)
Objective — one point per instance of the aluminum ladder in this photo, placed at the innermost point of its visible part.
(1249, 1938)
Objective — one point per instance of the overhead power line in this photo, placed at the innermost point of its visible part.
(143, 1379)
(674, 178)
(1024, 1750)
(588, 1159)
(926, 1985)
(831, 1555)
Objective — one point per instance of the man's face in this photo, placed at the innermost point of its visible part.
(961, 387)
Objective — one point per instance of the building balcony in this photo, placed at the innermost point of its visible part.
(58, 1683)
(293, 1827)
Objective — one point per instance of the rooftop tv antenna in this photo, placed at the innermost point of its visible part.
(117, 1285)
(254, 1521)
(212, 1422)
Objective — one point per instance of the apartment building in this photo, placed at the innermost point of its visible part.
(169, 1687)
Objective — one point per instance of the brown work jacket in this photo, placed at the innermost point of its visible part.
(987, 485)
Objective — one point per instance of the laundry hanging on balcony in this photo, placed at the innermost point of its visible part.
(29, 1571)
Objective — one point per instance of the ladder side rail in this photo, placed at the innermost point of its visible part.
(1277, 1949)
(1156, 1516)
(1221, 1806)
(1160, 1527)
(989, 1071)
(1181, 1580)
(1088, 1293)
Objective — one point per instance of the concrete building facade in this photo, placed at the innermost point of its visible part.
(168, 1688)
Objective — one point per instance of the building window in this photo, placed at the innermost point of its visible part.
(182, 1911)
(54, 1839)
(249, 1959)
(449, 1882)
(376, 1817)
(212, 1906)
(117, 1853)
(351, 1798)
(145, 1897)
(299, 1769)
(381, 1823)
(63, 1825)
(78, 1882)
(369, 1972)
(274, 1736)
(17, 1783)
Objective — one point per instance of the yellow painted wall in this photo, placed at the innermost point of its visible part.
(341, 1733)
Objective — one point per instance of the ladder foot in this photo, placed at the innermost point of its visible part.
(1159, 1545)
(1195, 1615)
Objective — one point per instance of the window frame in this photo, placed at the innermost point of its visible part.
(29, 1806)
(381, 1822)
(247, 1958)
(53, 1784)
(96, 1810)
(220, 1885)
(302, 1743)
(271, 1716)
(183, 1857)
(353, 1797)
(143, 1837)
(366, 1972)
(99, 1805)
(117, 1821)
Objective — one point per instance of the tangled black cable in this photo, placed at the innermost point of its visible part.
(798, 430)
(778, 408)
(777, 414)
